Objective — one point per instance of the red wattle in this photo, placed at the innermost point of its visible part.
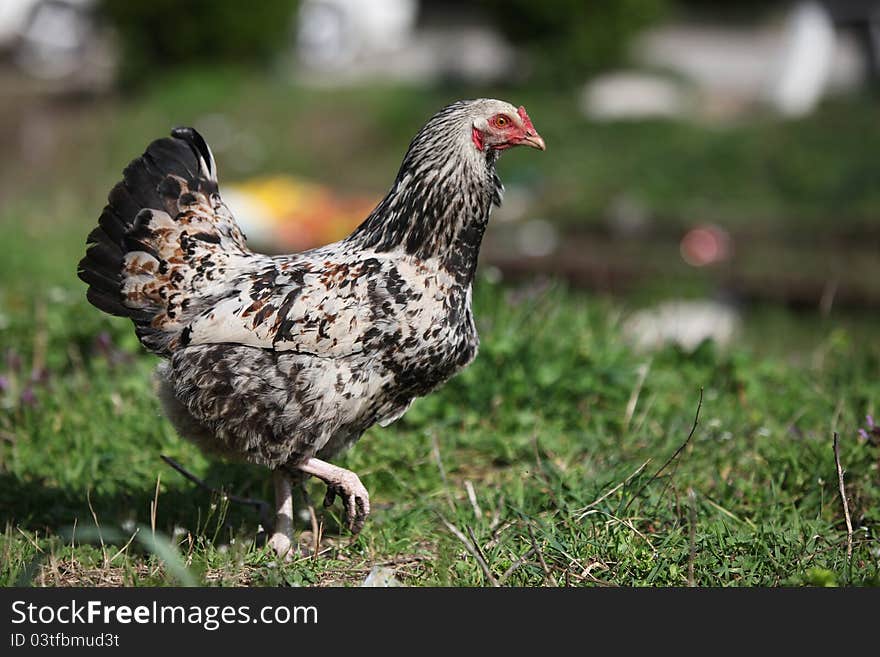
(477, 138)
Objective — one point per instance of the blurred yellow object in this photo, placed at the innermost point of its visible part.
(285, 213)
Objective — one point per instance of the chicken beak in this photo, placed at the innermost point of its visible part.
(534, 140)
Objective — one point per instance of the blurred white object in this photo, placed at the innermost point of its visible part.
(805, 65)
(683, 323)
(628, 216)
(333, 33)
(518, 203)
(55, 37)
(381, 577)
(632, 95)
(734, 67)
(13, 15)
(537, 238)
(342, 42)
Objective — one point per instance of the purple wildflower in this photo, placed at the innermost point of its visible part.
(871, 432)
(28, 397)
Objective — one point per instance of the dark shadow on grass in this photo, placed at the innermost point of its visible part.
(36, 505)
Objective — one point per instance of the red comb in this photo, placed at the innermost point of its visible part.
(527, 122)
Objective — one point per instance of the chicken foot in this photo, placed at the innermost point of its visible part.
(281, 535)
(347, 485)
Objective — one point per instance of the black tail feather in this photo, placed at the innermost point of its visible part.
(200, 147)
(141, 188)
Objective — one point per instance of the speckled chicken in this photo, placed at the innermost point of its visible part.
(285, 361)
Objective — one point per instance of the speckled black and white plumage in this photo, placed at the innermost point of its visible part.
(276, 360)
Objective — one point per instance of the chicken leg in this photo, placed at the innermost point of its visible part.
(347, 485)
(281, 535)
(344, 483)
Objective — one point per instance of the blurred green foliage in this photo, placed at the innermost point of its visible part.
(569, 39)
(155, 34)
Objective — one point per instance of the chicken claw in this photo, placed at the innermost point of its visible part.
(347, 485)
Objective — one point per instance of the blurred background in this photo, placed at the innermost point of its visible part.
(712, 168)
(706, 216)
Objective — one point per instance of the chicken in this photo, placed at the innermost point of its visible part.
(285, 361)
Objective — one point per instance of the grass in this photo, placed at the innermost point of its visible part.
(552, 426)
(558, 428)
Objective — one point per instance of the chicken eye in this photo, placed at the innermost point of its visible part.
(501, 121)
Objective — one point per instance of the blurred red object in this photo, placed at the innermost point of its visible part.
(705, 245)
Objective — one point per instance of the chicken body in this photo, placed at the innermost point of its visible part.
(278, 407)
(285, 361)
